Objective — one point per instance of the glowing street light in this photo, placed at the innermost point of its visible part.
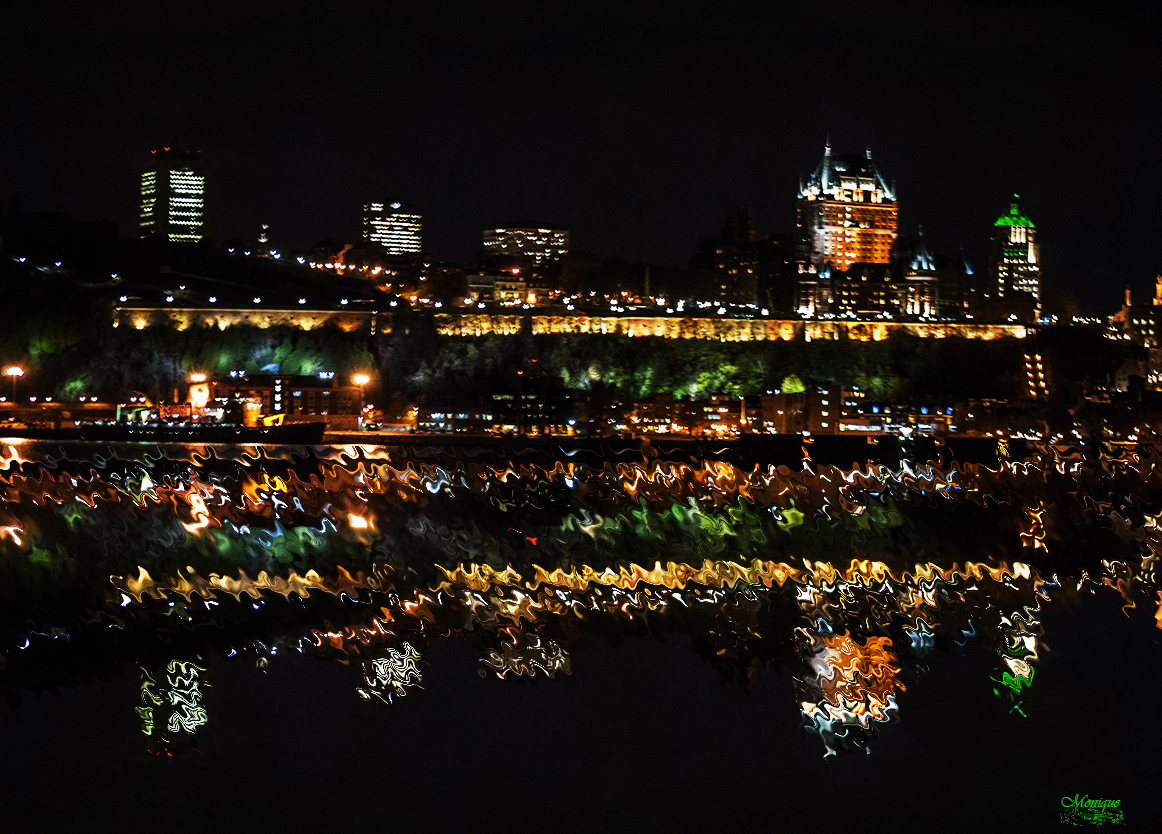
(197, 377)
(14, 371)
(361, 380)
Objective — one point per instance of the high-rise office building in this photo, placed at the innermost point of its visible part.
(846, 213)
(173, 188)
(541, 245)
(394, 227)
(1015, 256)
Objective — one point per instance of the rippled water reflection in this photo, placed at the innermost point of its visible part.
(164, 561)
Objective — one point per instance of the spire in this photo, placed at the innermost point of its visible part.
(922, 259)
(868, 148)
(827, 146)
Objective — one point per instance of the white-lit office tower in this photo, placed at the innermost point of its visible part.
(173, 189)
(539, 244)
(392, 226)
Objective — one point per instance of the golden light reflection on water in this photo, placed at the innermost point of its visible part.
(848, 578)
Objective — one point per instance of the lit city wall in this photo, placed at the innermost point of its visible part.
(483, 324)
(726, 330)
(183, 318)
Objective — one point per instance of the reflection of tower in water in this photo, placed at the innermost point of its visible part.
(172, 709)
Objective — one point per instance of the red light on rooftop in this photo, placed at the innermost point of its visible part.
(167, 149)
(154, 150)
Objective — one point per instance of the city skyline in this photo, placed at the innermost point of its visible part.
(636, 132)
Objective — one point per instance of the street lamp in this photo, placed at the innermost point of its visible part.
(361, 380)
(14, 371)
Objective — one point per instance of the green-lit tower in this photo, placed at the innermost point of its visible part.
(1014, 257)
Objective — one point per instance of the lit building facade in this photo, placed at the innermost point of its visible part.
(846, 214)
(393, 227)
(541, 245)
(173, 196)
(1015, 256)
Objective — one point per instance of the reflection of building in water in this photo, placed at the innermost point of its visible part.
(391, 677)
(527, 655)
(172, 710)
(850, 690)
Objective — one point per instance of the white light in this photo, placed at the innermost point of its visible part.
(169, 298)
(302, 301)
(213, 298)
(257, 300)
(124, 298)
(344, 301)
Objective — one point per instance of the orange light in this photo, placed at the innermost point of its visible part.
(361, 379)
(199, 394)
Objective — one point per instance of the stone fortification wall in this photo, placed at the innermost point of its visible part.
(183, 318)
(717, 329)
(483, 324)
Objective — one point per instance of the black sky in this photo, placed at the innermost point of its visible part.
(636, 125)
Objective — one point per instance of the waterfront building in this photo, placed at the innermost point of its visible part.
(393, 226)
(1014, 257)
(173, 187)
(317, 395)
(539, 245)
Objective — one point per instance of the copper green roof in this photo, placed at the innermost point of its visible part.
(1013, 218)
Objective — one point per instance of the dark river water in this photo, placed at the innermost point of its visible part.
(599, 638)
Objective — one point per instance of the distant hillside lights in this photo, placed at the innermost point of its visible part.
(393, 227)
(541, 245)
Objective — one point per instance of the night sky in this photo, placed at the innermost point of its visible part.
(634, 125)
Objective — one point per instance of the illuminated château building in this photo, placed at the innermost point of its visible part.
(914, 285)
(846, 214)
(539, 245)
(1014, 257)
(393, 227)
(173, 188)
